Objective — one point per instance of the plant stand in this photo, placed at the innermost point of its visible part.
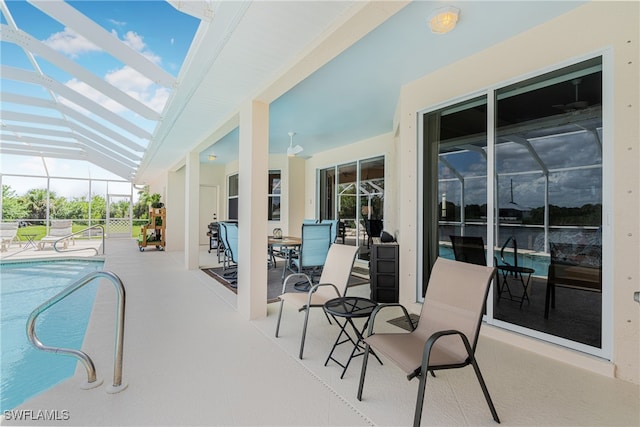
(153, 234)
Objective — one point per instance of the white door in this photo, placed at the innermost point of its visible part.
(208, 211)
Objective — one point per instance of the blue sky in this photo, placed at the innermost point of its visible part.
(154, 28)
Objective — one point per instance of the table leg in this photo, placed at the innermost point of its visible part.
(356, 344)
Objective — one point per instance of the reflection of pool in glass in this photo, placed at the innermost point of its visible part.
(25, 285)
(538, 261)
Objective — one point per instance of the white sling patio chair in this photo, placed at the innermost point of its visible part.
(58, 230)
(8, 234)
(332, 284)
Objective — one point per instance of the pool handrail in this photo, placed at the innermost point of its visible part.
(79, 354)
(55, 248)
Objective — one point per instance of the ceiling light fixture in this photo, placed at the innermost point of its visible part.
(443, 20)
(212, 157)
(292, 151)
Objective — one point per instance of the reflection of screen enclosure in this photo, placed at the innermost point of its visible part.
(547, 182)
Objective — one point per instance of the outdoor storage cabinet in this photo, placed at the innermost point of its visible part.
(384, 268)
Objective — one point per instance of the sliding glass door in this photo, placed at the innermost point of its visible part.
(525, 175)
(353, 193)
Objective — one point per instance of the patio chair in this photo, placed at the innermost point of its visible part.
(8, 234)
(573, 266)
(334, 228)
(469, 249)
(229, 236)
(333, 284)
(447, 331)
(59, 230)
(373, 228)
(310, 258)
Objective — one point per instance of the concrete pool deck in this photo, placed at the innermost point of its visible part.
(189, 359)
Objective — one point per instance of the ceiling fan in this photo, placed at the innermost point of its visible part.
(575, 105)
(292, 151)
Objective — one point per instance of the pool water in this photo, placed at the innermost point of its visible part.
(539, 262)
(27, 371)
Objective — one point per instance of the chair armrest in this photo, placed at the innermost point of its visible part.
(316, 286)
(376, 310)
(428, 345)
(297, 275)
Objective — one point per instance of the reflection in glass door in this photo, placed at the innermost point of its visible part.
(539, 203)
(456, 178)
(548, 163)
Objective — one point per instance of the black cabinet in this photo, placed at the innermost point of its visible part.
(384, 269)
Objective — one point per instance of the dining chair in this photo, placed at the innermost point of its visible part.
(229, 235)
(447, 331)
(334, 228)
(311, 256)
(332, 284)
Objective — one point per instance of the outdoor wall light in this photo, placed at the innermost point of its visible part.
(212, 157)
(443, 20)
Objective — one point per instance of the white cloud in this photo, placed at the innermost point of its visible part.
(70, 43)
(125, 78)
(136, 42)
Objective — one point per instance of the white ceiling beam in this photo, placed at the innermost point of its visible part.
(67, 15)
(201, 9)
(26, 76)
(71, 135)
(35, 46)
(44, 151)
(72, 140)
(33, 143)
(54, 121)
(110, 165)
(86, 155)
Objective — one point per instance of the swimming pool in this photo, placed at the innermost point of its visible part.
(24, 286)
(539, 262)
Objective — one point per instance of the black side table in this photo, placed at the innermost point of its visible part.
(518, 272)
(350, 308)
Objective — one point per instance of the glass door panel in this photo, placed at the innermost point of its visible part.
(348, 203)
(455, 178)
(548, 162)
(371, 195)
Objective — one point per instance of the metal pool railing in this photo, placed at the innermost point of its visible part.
(100, 226)
(92, 380)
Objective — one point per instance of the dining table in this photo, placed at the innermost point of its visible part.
(286, 245)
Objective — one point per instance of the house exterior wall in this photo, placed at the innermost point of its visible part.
(609, 28)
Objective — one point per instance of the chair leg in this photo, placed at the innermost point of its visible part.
(279, 317)
(492, 408)
(363, 371)
(304, 330)
(420, 399)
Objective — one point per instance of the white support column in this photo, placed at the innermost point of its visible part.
(192, 211)
(252, 210)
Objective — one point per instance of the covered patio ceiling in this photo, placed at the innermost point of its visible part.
(330, 70)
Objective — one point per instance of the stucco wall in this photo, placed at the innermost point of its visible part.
(609, 28)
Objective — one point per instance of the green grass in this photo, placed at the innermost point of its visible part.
(40, 231)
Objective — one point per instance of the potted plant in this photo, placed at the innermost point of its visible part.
(155, 201)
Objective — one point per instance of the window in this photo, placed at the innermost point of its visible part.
(232, 196)
(275, 185)
(546, 184)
